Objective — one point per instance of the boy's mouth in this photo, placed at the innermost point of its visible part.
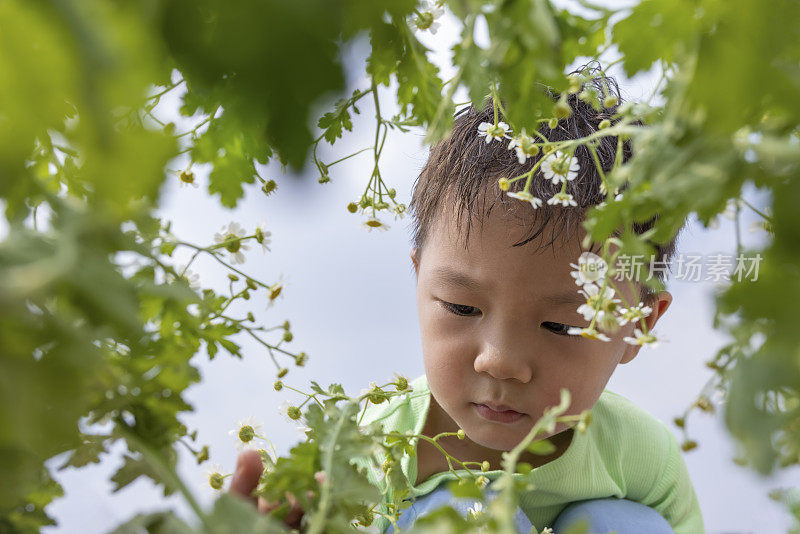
(499, 413)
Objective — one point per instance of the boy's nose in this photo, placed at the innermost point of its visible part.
(503, 366)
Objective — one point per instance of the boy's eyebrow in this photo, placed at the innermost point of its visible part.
(450, 276)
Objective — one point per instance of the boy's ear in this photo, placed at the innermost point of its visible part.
(659, 305)
(414, 259)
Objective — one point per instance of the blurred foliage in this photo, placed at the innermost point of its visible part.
(95, 348)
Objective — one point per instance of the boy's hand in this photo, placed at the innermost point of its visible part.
(245, 479)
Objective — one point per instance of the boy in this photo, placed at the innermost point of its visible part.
(495, 320)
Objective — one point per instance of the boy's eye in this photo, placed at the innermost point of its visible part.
(464, 311)
(560, 329)
(458, 309)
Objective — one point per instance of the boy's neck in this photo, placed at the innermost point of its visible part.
(431, 460)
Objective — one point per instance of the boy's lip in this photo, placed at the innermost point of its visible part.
(497, 407)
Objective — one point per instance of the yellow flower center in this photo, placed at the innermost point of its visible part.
(216, 481)
(232, 243)
(424, 20)
(560, 166)
(247, 433)
(275, 291)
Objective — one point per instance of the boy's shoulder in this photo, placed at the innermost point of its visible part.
(635, 438)
(621, 418)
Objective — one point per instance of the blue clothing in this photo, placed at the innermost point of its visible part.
(603, 515)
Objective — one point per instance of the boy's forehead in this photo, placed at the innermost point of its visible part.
(502, 229)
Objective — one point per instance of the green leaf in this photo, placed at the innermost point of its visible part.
(88, 453)
(542, 447)
(671, 27)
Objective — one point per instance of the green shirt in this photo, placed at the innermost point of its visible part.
(624, 453)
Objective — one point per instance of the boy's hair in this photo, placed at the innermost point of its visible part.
(462, 168)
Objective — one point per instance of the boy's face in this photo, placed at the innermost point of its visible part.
(508, 347)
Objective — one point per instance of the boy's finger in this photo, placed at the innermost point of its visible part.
(265, 507)
(295, 513)
(245, 478)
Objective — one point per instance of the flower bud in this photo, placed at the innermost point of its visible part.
(352, 207)
(269, 186)
(278, 385)
(485, 466)
(401, 383)
(503, 183)
(552, 123)
(562, 110)
(605, 123)
(324, 179)
(301, 359)
(287, 336)
(392, 193)
(250, 317)
(680, 421)
(282, 372)
(387, 464)
(233, 278)
(365, 518)
(251, 284)
(688, 445)
(293, 412)
(461, 434)
(610, 101)
(202, 455)
(704, 404)
(246, 295)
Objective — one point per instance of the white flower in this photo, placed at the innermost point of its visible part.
(762, 224)
(547, 530)
(730, 208)
(283, 409)
(590, 333)
(640, 338)
(565, 199)
(374, 222)
(246, 433)
(491, 132)
(303, 429)
(475, 511)
(263, 236)
(275, 290)
(187, 178)
(524, 146)
(428, 13)
(232, 236)
(527, 197)
(192, 278)
(215, 478)
(634, 313)
(599, 304)
(590, 268)
(557, 168)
